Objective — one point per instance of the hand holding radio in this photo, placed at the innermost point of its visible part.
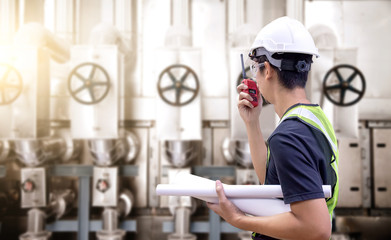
(252, 88)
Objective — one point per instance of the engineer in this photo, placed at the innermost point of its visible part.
(301, 154)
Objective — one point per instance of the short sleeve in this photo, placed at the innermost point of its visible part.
(296, 162)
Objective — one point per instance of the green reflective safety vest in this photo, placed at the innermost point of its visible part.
(314, 117)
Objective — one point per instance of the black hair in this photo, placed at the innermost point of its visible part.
(290, 79)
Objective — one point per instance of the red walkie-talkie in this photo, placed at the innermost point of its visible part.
(252, 86)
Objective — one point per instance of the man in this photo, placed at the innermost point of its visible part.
(301, 154)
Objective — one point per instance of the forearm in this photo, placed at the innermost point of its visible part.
(307, 220)
(282, 226)
(258, 149)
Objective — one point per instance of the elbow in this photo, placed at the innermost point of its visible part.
(319, 231)
(325, 232)
(317, 236)
(322, 233)
(325, 235)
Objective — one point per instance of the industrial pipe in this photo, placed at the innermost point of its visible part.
(5, 150)
(180, 153)
(107, 152)
(60, 203)
(36, 226)
(111, 216)
(34, 152)
(238, 151)
(182, 225)
(34, 34)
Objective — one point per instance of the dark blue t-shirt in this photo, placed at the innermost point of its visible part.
(299, 161)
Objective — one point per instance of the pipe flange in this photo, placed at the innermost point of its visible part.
(186, 236)
(44, 235)
(117, 234)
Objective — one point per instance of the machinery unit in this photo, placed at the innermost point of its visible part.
(93, 84)
(381, 149)
(25, 92)
(351, 188)
(25, 97)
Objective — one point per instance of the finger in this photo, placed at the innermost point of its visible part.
(220, 191)
(243, 95)
(241, 87)
(246, 103)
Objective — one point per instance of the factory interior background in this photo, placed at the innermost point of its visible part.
(101, 100)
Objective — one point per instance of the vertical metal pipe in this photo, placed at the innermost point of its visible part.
(36, 226)
(35, 221)
(214, 224)
(295, 9)
(8, 20)
(236, 12)
(31, 11)
(84, 208)
(182, 220)
(180, 11)
(64, 19)
(110, 220)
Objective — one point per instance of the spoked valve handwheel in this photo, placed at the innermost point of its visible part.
(178, 85)
(11, 84)
(336, 87)
(89, 83)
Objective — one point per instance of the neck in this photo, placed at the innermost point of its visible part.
(288, 98)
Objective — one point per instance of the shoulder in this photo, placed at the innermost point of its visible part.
(296, 139)
(292, 129)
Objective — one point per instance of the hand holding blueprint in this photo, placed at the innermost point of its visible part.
(257, 200)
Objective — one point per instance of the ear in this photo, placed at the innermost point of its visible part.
(269, 70)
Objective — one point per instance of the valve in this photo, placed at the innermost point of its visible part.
(343, 85)
(186, 83)
(102, 185)
(90, 89)
(28, 186)
(11, 84)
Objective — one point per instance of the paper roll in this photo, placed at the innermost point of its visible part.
(258, 200)
(231, 191)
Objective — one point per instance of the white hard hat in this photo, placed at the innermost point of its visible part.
(285, 35)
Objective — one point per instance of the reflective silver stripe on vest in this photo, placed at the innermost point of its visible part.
(308, 114)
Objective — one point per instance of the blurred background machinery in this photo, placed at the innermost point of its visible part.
(101, 100)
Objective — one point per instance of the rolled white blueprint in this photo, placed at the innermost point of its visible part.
(257, 200)
(231, 191)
